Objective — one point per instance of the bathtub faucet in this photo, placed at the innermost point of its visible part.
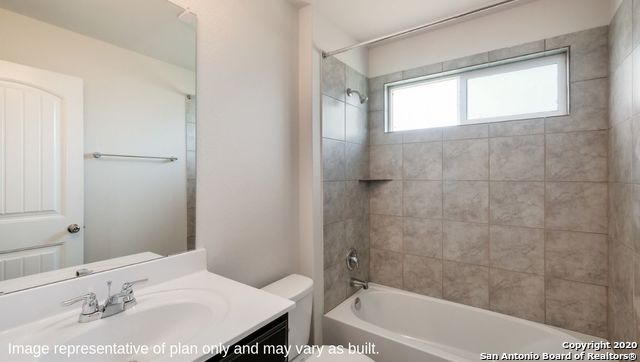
(357, 283)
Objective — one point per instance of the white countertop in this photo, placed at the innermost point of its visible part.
(29, 315)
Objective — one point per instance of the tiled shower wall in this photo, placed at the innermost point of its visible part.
(624, 174)
(509, 216)
(345, 161)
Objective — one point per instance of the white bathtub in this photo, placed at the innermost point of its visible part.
(408, 327)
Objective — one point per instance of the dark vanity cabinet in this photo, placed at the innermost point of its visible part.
(273, 334)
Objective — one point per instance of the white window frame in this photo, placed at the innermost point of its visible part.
(557, 56)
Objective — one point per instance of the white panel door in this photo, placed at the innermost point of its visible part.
(41, 169)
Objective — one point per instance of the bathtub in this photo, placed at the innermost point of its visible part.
(408, 327)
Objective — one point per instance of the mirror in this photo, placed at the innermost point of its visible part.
(97, 132)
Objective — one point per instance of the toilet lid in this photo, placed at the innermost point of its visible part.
(326, 357)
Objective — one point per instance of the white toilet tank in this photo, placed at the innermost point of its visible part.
(298, 289)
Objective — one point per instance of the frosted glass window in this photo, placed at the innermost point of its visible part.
(526, 91)
(434, 103)
(533, 86)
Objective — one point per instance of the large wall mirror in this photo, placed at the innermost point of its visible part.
(97, 133)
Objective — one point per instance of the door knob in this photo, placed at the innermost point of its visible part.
(73, 228)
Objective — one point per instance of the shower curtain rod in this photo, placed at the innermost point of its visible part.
(417, 28)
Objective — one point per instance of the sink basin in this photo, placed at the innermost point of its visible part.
(175, 316)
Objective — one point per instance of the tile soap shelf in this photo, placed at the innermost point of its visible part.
(375, 179)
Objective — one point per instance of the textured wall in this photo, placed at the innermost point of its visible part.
(345, 161)
(624, 173)
(508, 216)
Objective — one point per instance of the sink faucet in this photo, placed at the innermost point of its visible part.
(357, 283)
(116, 303)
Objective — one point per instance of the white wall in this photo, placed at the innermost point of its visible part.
(535, 20)
(133, 104)
(247, 206)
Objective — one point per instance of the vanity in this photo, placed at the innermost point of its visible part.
(182, 313)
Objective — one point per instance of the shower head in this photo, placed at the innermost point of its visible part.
(363, 98)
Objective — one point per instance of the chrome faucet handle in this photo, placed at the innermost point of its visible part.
(127, 292)
(90, 303)
(353, 263)
(128, 285)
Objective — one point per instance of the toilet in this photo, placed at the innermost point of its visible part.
(298, 289)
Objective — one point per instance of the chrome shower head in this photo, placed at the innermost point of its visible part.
(363, 98)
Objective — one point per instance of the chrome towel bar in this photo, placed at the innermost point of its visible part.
(100, 155)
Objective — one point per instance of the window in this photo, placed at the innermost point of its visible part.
(533, 86)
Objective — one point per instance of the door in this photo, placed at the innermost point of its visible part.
(41, 170)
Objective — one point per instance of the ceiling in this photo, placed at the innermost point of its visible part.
(149, 27)
(368, 19)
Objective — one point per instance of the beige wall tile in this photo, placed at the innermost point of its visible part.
(636, 144)
(578, 156)
(515, 51)
(621, 152)
(466, 132)
(422, 71)
(589, 52)
(386, 198)
(357, 233)
(621, 293)
(465, 61)
(517, 249)
(621, 94)
(517, 158)
(334, 193)
(333, 160)
(589, 108)
(335, 286)
(356, 127)
(422, 135)
(385, 161)
(576, 206)
(333, 118)
(636, 296)
(517, 294)
(466, 242)
(334, 78)
(621, 217)
(422, 161)
(423, 237)
(577, 306)
(386, 232)
(517, 203)
(576, 256)
(423, 199)
(356, 161)
(466, 159)
(334, 243)
(423, 275)
(357, 199)
(386, 267)
(467, 284)
(466, 201)
(636, 216)
(516, 128)
(635, 101)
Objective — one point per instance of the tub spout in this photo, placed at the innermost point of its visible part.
(357, 283)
